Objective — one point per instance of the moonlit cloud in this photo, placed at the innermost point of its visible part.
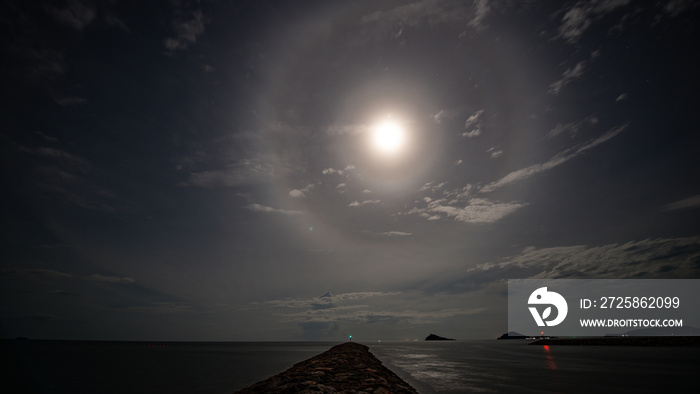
(494, 153)
(650, 258)
(365, 202)
(686, 203)
(579, 18)
(295, 193)
(555, 161)
(569, 75)
(187, 28)
(266, 209)
(473, 125)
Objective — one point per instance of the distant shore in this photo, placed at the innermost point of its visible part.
(344, 368)
(623, 341)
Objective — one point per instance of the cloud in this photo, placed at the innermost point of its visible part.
(495, 153)
(295, 193)
(579, 18)
(111, 279)
(242, 172)
(59, 177)
(649, 258)
(396, 234)
(187, 28)
(300, 193)
(302, 303)
(421, 13)
(473, 125)
(365, 202)
(555, 161)
(468, 204)
(333, 171)
(677, 7)
(432, 187)
(622, 97)
(686, 203)
(476, 210)
(569, 75)
(364, 308)
(482, 9)
(263, 208)
(76, 14)
(572, 128)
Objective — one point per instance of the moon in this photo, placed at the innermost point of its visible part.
(388, 137)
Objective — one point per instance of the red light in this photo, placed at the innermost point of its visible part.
(546, 347)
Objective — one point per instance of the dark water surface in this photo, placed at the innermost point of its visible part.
(431, 367)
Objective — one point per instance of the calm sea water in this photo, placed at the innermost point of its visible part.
(431, 367)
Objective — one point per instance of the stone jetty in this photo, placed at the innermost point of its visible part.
(345, 368)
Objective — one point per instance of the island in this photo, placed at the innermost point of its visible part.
(433, 337)
(512, 335)
(344, 368)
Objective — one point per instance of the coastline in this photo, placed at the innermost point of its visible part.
(344, 368)
(623, 341)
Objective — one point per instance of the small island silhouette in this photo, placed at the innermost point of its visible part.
(433, 337)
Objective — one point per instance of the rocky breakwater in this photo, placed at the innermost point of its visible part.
(345, 368)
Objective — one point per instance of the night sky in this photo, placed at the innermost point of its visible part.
(309, 170)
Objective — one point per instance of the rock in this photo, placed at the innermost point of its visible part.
(512, 335)
(346, 368)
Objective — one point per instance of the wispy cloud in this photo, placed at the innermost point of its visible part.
(365, 202)
(494, 153)
(474, 210)
(571, 129)
(686, 203)
(677, 7)
(473, 125)
(469, 204)
(555, 161)
(481, 11)
(187, 28)
(75, 14)
(388, 234)
(578, 19)
(264, 208)
(649, 258)
(569, 75)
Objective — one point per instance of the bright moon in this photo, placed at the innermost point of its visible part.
(388, 137)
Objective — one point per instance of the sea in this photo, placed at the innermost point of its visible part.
(485, 366)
